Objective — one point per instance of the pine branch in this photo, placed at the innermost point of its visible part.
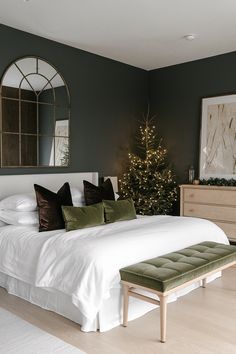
(148, 179)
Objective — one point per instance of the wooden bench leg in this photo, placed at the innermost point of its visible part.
(125, 304)
(204, 281)
(163, 310)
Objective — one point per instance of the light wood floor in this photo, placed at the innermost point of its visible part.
(202, 322)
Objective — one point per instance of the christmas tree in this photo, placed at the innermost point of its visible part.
(148, 180)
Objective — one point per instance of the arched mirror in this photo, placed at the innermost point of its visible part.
(34, 115)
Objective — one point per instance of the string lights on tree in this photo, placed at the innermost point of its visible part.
(148, 180)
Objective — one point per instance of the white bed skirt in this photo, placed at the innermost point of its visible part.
(110, 314)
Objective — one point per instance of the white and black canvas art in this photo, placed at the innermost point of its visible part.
(218, 137)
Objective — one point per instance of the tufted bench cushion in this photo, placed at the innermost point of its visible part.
(164, 275)
(171, 270)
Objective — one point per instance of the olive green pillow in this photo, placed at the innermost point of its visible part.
(81, 217)
(119, 210)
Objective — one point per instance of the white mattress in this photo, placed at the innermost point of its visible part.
(76, 273)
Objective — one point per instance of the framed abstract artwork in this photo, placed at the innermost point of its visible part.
(218, 137)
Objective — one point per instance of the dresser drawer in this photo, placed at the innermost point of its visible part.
(210, 196)
(229, 229)
(216, 212)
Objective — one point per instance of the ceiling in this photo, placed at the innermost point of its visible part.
(144, 33)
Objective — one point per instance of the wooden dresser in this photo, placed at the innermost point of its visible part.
(217, 204)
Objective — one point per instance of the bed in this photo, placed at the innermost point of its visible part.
(76, 273)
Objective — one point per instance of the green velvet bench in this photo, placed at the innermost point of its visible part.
(168, 273)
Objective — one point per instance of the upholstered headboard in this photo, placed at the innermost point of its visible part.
(14, 184)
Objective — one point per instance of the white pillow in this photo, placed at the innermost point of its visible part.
(19, 202)
(19, 217)
(2, 223)
(77, 197)
(117, 196)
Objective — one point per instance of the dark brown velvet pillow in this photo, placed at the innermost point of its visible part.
(94, 194)
(49, 205)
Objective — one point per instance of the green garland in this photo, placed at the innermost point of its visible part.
(218, 182)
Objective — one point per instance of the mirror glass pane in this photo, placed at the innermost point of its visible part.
(37, 82)
(28, 150)
(61, 96)
(46, 151)
(28, 95)
(27, 65)
(47, 95)
(61, 151)
(57, 81)
(61, 113)
(10, 115)
(10, 92)
(10, 142)
(37, 114)
(46, 70)
(46, 119)
(26, 91)
(11, 82)
(62, 128)
(28, 117)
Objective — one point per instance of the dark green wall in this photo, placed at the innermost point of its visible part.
(175, 98)
(106, 99)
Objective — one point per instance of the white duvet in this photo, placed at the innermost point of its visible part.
(85, 263)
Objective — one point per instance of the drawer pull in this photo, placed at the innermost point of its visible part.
(191, 210)
(191, 195)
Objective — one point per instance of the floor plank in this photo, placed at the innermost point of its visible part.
(203, 321)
